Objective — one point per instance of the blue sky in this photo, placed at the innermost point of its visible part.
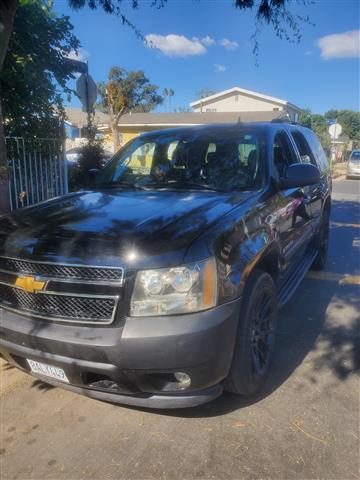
(207, 44)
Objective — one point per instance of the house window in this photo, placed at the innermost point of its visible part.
(212, 110)
(236, 98)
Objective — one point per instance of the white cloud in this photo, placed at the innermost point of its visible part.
(228, 44)
(207, 41)
(218, 68)
(175, 45)
(80, 56)
(340, 45)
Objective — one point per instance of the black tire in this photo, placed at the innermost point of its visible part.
(254, 345)
(322, 242)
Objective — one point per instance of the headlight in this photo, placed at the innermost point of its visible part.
(170, 291)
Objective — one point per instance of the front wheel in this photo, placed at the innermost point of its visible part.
(322, 242)
(255, 336)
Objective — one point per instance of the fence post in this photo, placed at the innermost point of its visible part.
(4, 172)
(66, 180)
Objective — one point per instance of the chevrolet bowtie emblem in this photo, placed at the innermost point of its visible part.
(29, 284)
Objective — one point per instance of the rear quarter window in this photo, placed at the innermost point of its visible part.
(317, 150)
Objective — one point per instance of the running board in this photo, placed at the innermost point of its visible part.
(294, 279)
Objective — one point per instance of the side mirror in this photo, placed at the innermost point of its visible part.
(300, 175)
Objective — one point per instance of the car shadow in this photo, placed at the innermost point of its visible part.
(42, 386)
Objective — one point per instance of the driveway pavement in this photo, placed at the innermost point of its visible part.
(304, 426)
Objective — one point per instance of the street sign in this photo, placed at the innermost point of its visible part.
(86, 91)
(335, 130)
(77, 66)
(330, 121)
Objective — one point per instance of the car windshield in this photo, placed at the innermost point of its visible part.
(221, 160)
(355, 156)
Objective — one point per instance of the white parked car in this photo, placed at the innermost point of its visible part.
(353, 164)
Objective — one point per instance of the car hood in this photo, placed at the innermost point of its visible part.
(112, 227)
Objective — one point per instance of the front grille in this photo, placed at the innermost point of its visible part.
(62, 271)
(59, 307)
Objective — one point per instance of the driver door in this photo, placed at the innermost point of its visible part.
(293, 211)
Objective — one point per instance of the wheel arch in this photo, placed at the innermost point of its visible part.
(267, 260)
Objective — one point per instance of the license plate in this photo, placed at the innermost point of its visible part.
(48, 370)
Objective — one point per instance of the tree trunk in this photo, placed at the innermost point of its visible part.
(7, 14)
(116, 135)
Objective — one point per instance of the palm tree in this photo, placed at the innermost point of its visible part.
(165, 94)
(171, 94)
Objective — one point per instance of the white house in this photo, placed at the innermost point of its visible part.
(240, 100)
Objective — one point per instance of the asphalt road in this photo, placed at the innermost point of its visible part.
(304, 426)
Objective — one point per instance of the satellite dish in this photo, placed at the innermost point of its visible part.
(335, 130)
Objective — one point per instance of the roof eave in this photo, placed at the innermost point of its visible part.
(246, 92)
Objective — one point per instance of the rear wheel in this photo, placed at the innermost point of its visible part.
(322, 242)
(255, 336)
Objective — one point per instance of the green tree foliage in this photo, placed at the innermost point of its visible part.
(348, 119)
(92, 157)
(36, 71)
(126, 92)
(350, 122)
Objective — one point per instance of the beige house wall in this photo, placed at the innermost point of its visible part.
(239, 102)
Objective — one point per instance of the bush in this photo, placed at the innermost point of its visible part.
(92, 157)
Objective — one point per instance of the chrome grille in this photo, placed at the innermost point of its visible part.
(62, 271)
(59, 307)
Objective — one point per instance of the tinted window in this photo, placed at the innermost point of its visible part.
(305, 151)
(317, 150)
(283, 153)
(227, 160)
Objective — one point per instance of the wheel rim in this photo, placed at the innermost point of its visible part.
(262, 332)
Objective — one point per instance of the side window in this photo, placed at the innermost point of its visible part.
(283, 153)
(317, 150)
(306, 154)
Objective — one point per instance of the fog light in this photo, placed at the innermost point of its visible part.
(183, 379)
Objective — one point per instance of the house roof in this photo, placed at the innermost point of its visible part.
(78, 118)
(194, 118)
(251, 93)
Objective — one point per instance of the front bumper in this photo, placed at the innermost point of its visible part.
(134, 357)
(353, 172)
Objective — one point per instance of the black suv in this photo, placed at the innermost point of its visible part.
(159, 285)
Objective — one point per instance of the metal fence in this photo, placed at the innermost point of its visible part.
(38, 170)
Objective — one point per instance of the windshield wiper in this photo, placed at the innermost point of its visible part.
(183, 183)
(115, 184)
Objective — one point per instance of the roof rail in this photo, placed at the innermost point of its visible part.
(284, 120)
